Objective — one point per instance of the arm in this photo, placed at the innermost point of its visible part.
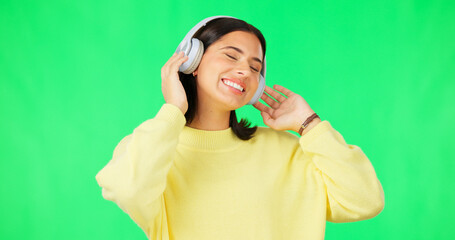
(135, 177)
(354, 192)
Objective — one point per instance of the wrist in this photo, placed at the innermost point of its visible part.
(182, 107)
(311, 125)
(306, 123)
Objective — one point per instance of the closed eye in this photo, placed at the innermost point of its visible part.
(231, 56)
(236, 59)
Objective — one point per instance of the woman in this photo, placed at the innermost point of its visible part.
(194, 172)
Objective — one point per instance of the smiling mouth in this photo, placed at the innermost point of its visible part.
(233, 85)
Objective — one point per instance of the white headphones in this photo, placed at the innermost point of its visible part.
(194, 49)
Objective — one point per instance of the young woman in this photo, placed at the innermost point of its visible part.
(195, 172)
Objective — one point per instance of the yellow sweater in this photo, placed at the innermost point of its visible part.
(177, 182)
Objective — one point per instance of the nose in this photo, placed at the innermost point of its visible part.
(243, 68)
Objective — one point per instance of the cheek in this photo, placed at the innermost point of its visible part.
(254, 86)
(210, 66)
(209, 70)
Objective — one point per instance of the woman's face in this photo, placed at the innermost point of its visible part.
(228, 74)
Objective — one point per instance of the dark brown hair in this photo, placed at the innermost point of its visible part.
(210, 33)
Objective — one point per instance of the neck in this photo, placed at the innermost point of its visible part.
(210, 119)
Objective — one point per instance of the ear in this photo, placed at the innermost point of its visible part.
(195, 72)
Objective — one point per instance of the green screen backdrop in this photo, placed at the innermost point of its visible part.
(78, 76)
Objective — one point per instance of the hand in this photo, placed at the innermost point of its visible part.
(284, 113)
(172, 88)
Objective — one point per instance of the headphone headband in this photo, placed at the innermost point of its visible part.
(201, 24)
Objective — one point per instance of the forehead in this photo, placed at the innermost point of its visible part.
(246, 41)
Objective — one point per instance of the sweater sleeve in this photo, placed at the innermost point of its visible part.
(135, 177)
(354, 192)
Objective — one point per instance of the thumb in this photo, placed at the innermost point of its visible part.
(268, 120)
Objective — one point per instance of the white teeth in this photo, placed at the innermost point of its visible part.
(234, 85)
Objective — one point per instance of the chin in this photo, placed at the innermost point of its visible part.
(234, 105)
(226, 103)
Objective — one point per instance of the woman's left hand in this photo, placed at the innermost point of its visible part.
(284, 113)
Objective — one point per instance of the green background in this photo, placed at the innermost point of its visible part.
(77, 76)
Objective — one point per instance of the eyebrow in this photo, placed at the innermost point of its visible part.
(240, 51)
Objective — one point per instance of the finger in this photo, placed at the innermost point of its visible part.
(283, 90)
(271, 102)
(263, 108)
(173, 64)
(280, 98)
(176, 54)
(169, 62)
(176, 64)
(175, 57)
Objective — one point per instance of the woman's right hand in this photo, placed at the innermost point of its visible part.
(172, 88)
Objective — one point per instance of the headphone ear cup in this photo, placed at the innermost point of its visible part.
(194, 56)
(257, 95)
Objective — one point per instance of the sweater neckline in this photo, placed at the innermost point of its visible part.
(218, 140)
